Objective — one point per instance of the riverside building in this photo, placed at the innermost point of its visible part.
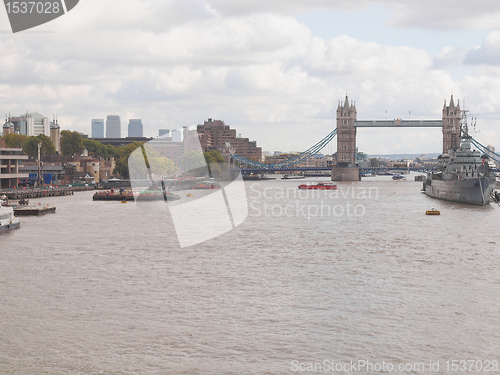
(214, 134)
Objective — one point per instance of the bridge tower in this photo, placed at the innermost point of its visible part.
(346, 169)
(451, 125)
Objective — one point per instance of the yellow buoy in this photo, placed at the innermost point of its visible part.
(432, 211)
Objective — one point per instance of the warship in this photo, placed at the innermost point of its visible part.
(463, 175)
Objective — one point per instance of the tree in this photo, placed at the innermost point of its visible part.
(214, 159)
(71, 143)
(147, 162)
(122, 158)
(99, 149)
(14, 140)
(213, 156)
(374, 162)
(30, 147)
(192, 160)
(160, 165)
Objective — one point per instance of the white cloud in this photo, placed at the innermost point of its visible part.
(448, 57)
(178, 63)
(423, 14)
(487, 53)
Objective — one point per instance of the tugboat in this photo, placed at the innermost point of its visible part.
(463, 175)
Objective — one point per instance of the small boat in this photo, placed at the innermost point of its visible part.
(8, 220)
(293, 177)
(319, 186)
(398, 177)
(432, 211)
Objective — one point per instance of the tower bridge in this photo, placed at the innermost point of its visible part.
(347, 125)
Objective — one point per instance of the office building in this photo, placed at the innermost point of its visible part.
(135, 128)
(11, 159)
(163, 132)
(113, 127)
(97, 128)
(176, 135)
(38, 124)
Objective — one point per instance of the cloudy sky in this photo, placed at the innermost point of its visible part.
(274, 70)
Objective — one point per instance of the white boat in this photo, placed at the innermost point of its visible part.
(8, 220)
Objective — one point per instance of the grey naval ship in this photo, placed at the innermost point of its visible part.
(463, 175)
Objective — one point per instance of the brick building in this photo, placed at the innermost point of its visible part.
(214, 135)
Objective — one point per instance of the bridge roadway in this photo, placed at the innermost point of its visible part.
(361, 170)
(304, 169)
(399, 124)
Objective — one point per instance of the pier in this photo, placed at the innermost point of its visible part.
(42, 192)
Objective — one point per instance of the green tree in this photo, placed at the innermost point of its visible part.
(140, 160)
(121, 161)
(99, 149)
(213, 156)
(214, 162)
(30, 147)
(160, 165)
(192, 160)
(374, 162)
(71, 143)
(15, 140)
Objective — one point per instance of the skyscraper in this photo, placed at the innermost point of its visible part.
(98, 128)
(163, 132)
(176, 135)
(113, 127)
(135, 128)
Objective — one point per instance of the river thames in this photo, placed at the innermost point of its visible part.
(316, 282)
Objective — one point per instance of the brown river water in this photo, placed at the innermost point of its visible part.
(309, 283)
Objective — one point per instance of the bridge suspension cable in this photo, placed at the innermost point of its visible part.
(310, 152)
